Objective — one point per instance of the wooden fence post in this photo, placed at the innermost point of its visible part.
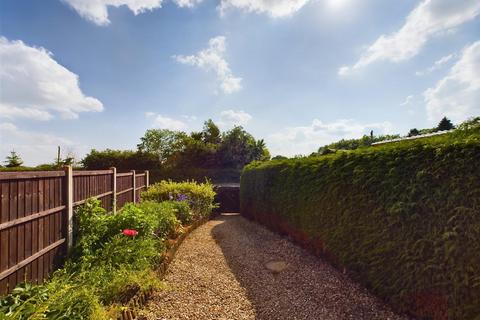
(69, 205)
(134, 187)
(147, 179)
(114, 190)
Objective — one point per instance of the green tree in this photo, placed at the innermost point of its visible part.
(13, 160)
(413, 132)
(163, 143)
(445, 124)
(211, 132)
(239, 147)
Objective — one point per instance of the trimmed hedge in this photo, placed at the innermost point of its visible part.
(403, 219)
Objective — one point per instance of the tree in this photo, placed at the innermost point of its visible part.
(413, 132)
(239, 147)
(162, 142)
(445, 124)
(211, 132)
(13, 160)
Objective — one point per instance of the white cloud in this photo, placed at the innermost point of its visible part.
(429, 19)
(457, 95)
(34, 85)
(212, 59)
(274, 8)
(33, 147)
(407, 101)
(437, 65)
(12, 112)
(163, 122)
(187, 3)
(96, 11)
(231, 118)
(306, 139)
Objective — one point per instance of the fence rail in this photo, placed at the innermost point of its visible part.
(36, 216)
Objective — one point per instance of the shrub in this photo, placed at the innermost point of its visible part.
(164, 215)
(108, 266)
(403, 218)
(200, 196)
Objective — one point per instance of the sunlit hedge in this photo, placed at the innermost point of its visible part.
(403, 219)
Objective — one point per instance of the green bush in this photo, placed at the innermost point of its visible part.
(404, 219)
(200, 196)
(106, 267)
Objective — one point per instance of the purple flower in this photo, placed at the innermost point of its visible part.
(182, 197)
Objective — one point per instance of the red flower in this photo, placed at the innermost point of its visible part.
(130, 232)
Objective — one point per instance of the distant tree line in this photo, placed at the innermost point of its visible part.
(176, 152)
(444, 125)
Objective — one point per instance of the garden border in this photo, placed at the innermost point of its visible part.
(130, 310)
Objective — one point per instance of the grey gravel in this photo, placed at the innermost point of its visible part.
(219, 273)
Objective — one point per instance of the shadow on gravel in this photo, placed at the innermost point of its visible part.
(303, 287)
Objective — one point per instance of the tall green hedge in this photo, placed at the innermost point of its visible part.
(403, 219)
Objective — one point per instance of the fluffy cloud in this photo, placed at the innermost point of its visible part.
(163, 122)
(33, 147)
(430, 18)
(213, 60)
(12, 112)
(230, 118)
(187, 3)
(457, 94)
(96, 11)
(34, 85)
(437, 65)
(407, 101)
(274, 8)
(306, 139)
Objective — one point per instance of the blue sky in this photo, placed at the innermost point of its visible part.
(298, 73)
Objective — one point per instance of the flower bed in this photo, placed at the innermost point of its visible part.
(112, 267)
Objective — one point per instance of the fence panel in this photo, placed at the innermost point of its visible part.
(99, 184)
(34, 216)
(124, 188)
(32, 226)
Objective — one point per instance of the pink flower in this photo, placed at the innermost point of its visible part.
(130, 232)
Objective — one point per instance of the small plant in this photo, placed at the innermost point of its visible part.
(200, 196)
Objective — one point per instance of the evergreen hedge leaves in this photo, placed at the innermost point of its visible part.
(403, 219)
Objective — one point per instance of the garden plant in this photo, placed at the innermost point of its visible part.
(114, 256)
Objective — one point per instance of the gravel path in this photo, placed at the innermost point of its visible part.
(219, 272)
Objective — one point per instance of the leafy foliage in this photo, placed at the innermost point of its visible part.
(445, 124)
(352, 144)
(402, 218)
(162, 143)
(13, 160)
(178, 155)
(199, 196)
(106, 267)
(122, 160)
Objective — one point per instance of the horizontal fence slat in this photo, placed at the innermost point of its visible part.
(124, 191)
(24, 262)
(36, 209)
(30, 175)
(125, 174)
(91, 172)
(38, 215)
(96, 197)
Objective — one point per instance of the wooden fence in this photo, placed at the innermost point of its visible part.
(36, 216)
